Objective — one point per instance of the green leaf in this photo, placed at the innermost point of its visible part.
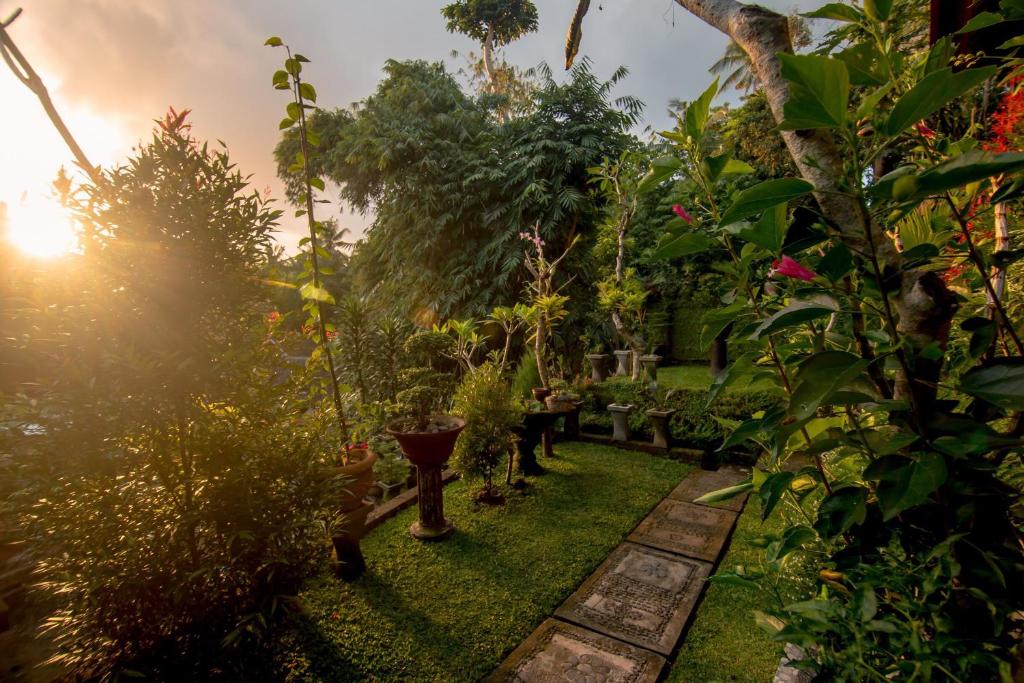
(724, 165)
(836, 263)
(280, 78)
(905, 482)
(307, 92)
(967, 168)
(716, 320)
(878, 10)
(318, 183)
(819, 376)
(939, 55)
(818, 93)
(661, 169)
(840, 510)
(273, 41)
(770, 231)
(313, 293)
(738, 368)
(1000, 382)
(836, 11)
(696, 116)
(772, 490)
(793, 538)
(980, 21)
(294, 110)
(286, 122)
(683, 245)
(983, 333)
(725, 494)
(763, 196)
(796, 313)
(930, 94)
(864, 64)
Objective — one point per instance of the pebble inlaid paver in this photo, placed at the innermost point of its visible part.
(640, 595)
(640, 600)
(566, 653)
(696, 531)
(704, 481)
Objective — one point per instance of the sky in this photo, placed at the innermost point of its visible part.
(113, 66)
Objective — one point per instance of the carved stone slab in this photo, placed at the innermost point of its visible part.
(696, 531)
(640, 595)
(563, 653)
(704, 481)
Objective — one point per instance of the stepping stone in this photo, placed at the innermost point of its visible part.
(640, 595)
(562, 652)
(704, 481)
(696, 531)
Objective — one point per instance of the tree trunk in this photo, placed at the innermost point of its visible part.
(1002, 231)
(720, 352)
(488, 48)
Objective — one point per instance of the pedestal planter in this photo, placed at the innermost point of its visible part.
(598, 366)
(359, 478)
(530, 433)
(571, 423)
(390, 490)
(623, 366)
(659, 420)
(620, 421)
(429, 451)
(649, 363)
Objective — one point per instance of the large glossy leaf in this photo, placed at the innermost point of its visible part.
(967, 168)
(840, 510)
(819, 88)
(770, 231)
(905, 482)
(1000, 382)
(764, 195)
(819, 376)
(793, 538)
(864, 64)
(661, 169)
(683, 245)
(740, 367)
(772, 490)
(697, 113)
(932, 92)
(714, 321)
(724, 165)
(838, 11)
(797, 313)
(725, 494)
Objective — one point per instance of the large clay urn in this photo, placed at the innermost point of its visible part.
(428, 451)
(358, 478)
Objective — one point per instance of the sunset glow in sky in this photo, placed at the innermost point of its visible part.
(112, 67)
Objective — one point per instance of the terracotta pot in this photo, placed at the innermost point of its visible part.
(540, 393)
(428, 449)
(359, 477)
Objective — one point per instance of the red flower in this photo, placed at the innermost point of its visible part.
(681, 212)
(790, 268)
(923, 130)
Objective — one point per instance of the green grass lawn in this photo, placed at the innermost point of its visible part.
(724, 643)
(697, 378)
(451, 611)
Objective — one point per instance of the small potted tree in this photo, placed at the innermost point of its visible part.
(426, 435)
(484, 400)
(391, 468)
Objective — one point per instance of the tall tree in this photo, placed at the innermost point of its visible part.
(492, 23)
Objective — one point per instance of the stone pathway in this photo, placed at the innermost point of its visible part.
(625, 622)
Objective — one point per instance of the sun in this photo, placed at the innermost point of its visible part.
(41, 227)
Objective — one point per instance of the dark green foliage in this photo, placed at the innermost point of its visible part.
(484, 399)
(174, 495)
(526, 377)
(505, 20)
(452, 611)
(451, 185)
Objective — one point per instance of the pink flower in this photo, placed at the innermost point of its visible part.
(790, 268)
(681, 212)
(923, 130)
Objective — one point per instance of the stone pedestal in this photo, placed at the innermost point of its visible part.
(659, 420)
(530, 433)
(432, 524)
(623, 366)
(351, 563)
(620, 421)
(598, 366)
(649, 363)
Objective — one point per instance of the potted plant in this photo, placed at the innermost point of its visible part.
(620, 421)
(391, 468)
(484, 400)
(660, 418)
(426, 435)
(561, 399)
